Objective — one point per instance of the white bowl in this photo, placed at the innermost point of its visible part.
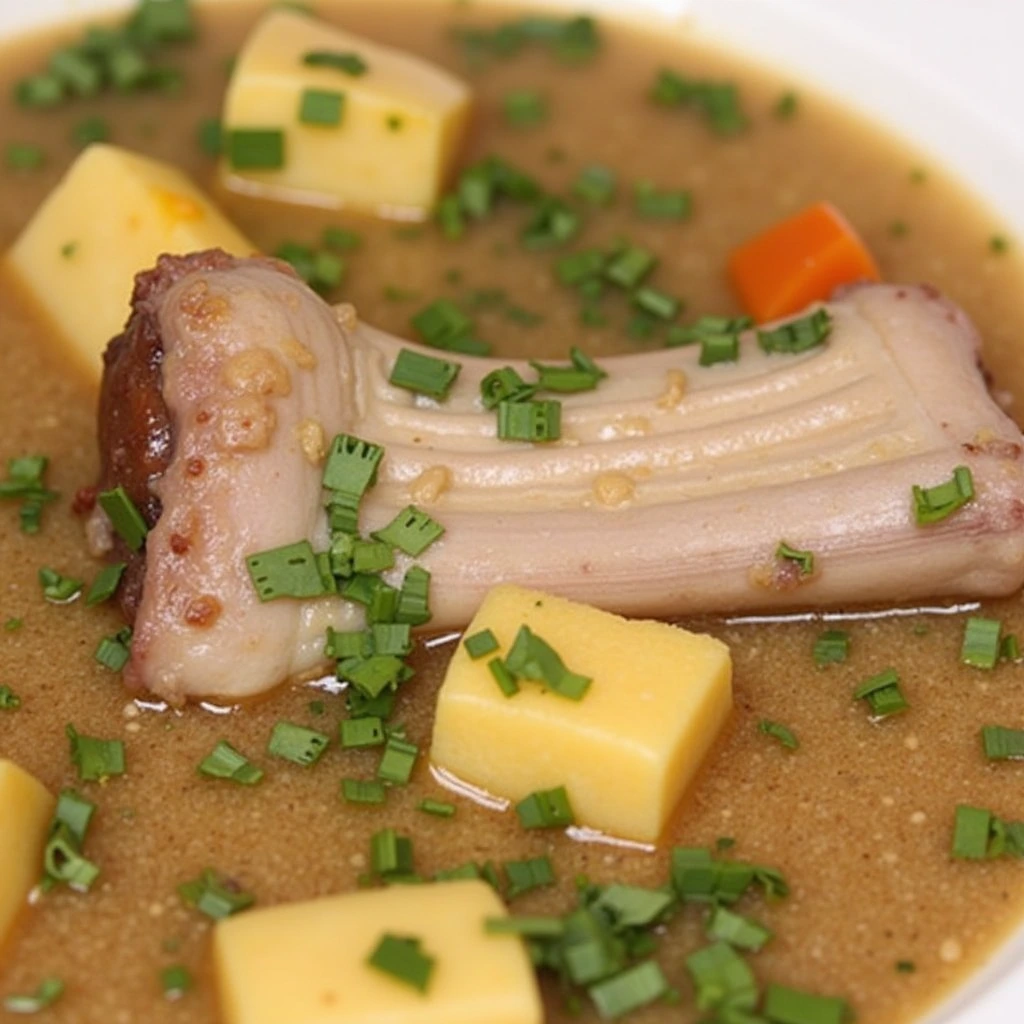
(946, 74)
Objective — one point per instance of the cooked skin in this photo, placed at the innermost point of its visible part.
(668, 494)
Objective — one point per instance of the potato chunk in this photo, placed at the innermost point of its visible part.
(378, 137)
(626, 751)
(306, 963)
(111, 215)
(25, 811)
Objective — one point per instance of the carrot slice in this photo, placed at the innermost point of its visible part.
(799, 261)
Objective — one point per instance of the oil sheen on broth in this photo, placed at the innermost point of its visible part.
(858, 819)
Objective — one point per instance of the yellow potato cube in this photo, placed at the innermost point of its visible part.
(385, 146)
(26, 807)
(111, 215)
(306, 963)
(625, 752)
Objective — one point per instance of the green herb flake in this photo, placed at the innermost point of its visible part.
(981, 644)
(1002, 744)
(783, 1005)
(391, 854)
(297, 744)
(630, 266)
(505, 679)
(175, 981)
(444, 325)
(722, 978)
(423, 374)
(905, 967)
(106, 583)
(224, 762)
(534, 421)
(532, 657)
(786, 106)
(49, 991)
(637, 986)
(779, 732)
(883, 694)
(367, 731)
(256, 149)
(363, 791)
(289, 571)
(717, 102)
(349, 63)
(803, 560)
(526, 875)
(403, 958)
(114, 652)
(798, 335)
(95, 759)
(9, 700)
(24, 156)
(58, 589)
(210, 136)
(321, 107)
(933, 504)
(656, 205)
(719, 348)
(524, 108)
(595, 184)
(546, 809)
(63, 860)
(398, 761)
(831, 647)
(741, 932)
(481, 644)
(90, 130)
(437, 808)
(214, 895)
(124, 517)
(998, 244)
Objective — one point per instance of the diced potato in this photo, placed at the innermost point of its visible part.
(25, 811)
(111, 215)
(305, 963)
(398, 129)
(625, 752)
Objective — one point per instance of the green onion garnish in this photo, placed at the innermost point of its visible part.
(553, 223)
(443, 325)
(390, 854)
(649, 202)
(504, 384)
(505, 679)
(106, 583)
(630, 266)
(56, 588)
(124, 517)
(595, 184)
(656, 303)
(321, 107)
(981, 643)
(350, 63)
(224, 762)
(414, 597)
(9, 700)
(175, 981)
(718, 102)
(48, 992)
(256, 149)
(1002, 744)
(583, 374)
(737, 930)
(798, 335)
(525, 875)
(536, 421)
(933, 504)
(524, 108)
(831, 647)
(363, 791)
(403, 958)
(95, 759)
(362, 732)
(804, 560)
(297, 744)
(341, 239)
(531, 657)
(534, 927)
(114, 652)
(63, 861)
(214, 896)
(783, 1005)
(24, 483)
(397, 763)
(704, 327)
(548, 808)
(883, 694)
(210, 136)
(629, 990)
(90, 130)
(289, 571)
(411, 531)
(480, 644)
(780, 732)
(722, 978)
(719, 348)
(423, 374)
(23, 156)
(437, 808)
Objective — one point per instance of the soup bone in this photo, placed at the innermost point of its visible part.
(668, 494)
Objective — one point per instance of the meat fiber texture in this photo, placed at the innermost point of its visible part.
(668, 494)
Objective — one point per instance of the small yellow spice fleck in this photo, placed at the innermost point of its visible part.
(614, 489)
(675, 389)
(311, 439)
(299, 354)
(430, 485)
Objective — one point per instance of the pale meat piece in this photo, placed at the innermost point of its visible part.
(668, 495)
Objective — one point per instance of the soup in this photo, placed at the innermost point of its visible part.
(858, 818)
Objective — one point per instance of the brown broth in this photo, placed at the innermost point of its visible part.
(859, 818)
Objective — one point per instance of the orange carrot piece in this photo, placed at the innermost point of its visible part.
(799, 261)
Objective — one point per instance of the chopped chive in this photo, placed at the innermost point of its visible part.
(783, 1005)
(162, 21)
(504, 384)
(628, 268)
(411, 531)
(737, 930)
(998, 244)
(595, 184)
(443, 325)
(799, 335)
(1009, 648)
(106, 583)
(533, 420)
(657, 303)
(397, 763)
(297, 744)
(722, 978)
(114, 652)
(43, 90)
(289, 571)
(673, 205)
(414, 597)
(426, 375)
(582, 266)
(124, 517)
(391, 638)
(898, 228)
(363, 791)
(831, 647)
(719, 348)
(90, 130)
(210, 135)
(175, 981)
(403, 958)
(534, 927)
(480, 644)
(250, 149)
(883, 694)
(438, 808)
(905, 967)
(47, 993)
(351, 468)
(717, 102)
(214, 896)
(13, 624)
(524, 108)
(224, 762)
(23, 156)
(320, 107)
(786, 106)
(780, 732)
(9, 700)
(981, 642)
(526, 875)
(56, 588)
(95, 759)
(553, 223)
(505, 679)
(362, 732)
(804, 560)
(531, 657)
(548, 808)
(933, 504)
(341, 239)
(634, 987)
(1002, 744)
(706, 326)
(583, 374)
(63, 860)
(390, 854)
(350, 63)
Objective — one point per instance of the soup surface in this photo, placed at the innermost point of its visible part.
(858, 819)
